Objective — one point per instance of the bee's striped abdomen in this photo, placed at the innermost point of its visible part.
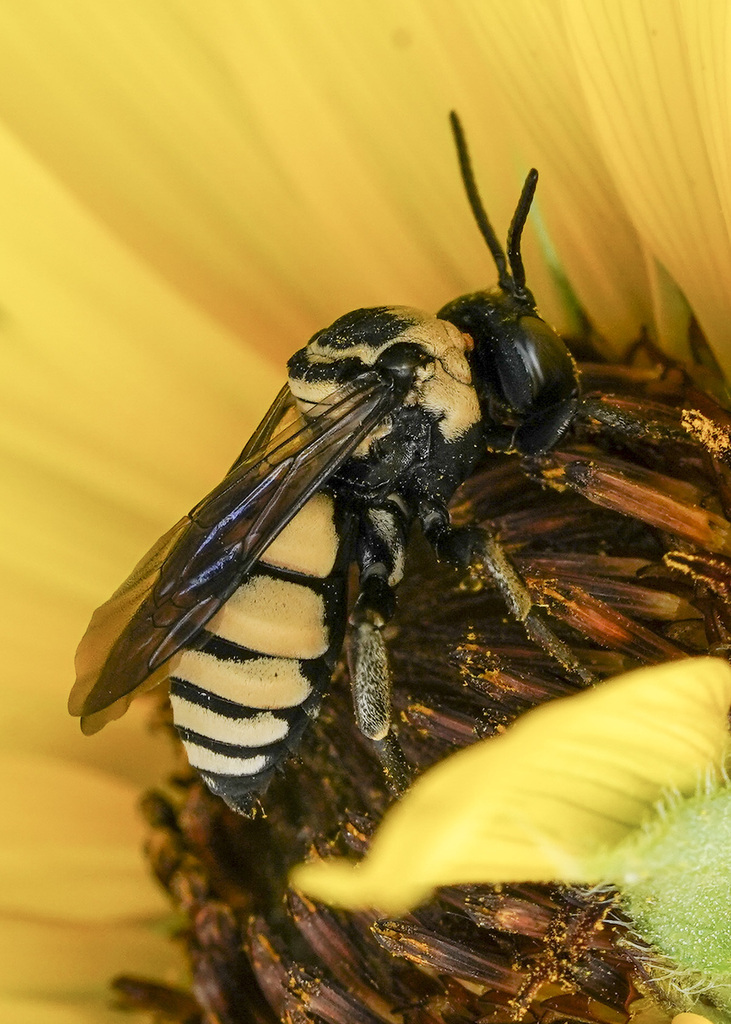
(243, 696)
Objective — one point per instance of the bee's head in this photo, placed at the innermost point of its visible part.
(517, 358)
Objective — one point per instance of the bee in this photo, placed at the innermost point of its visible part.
(243, 604)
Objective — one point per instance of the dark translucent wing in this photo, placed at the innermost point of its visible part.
(196, 567)
(110, 621)
(259, 440)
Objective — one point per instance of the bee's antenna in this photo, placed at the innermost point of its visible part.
(478, 210)
(516, 230)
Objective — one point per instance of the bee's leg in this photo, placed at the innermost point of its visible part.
(475, 548)
(380, 556)
(370, 676)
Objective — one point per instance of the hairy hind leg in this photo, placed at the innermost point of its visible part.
(380, 556)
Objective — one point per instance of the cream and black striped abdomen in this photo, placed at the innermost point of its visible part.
(244, 695)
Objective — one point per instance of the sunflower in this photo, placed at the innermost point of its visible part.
(189, 192)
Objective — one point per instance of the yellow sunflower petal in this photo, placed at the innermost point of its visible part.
(567, 779)
(71, 964)
(42, 1011)
(121, 404)
(77, 905)
(70, 845)
(655, 78)
(236, 149)
(140, 120)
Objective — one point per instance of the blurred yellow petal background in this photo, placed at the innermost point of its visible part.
(656, 81)
(77, 905)
(93, 873)
(111, 418)
(188, 191)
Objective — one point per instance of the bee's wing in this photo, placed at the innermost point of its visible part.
(196, 566)
(260, 440)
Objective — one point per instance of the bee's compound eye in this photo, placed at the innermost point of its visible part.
(402, 359)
